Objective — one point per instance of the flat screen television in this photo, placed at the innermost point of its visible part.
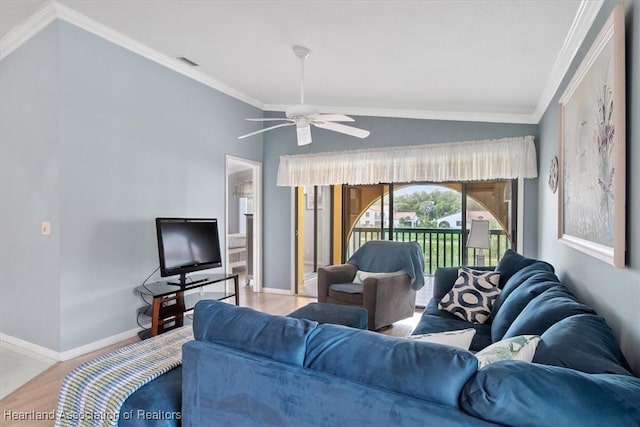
(186, 245)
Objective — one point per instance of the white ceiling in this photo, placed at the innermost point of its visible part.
(470, 60)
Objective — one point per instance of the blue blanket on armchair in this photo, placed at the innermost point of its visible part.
(385, 256)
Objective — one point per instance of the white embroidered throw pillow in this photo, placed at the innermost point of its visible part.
(522, 347)
(472, 295)
(461, 339)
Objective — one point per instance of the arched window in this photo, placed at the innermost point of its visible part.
(433, 215)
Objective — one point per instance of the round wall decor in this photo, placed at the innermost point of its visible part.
(553, 174)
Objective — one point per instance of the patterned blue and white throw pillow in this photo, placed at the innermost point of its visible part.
(461, 339)
(472, 295)
(522, 347)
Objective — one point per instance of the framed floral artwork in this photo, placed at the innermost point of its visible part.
(591, 173)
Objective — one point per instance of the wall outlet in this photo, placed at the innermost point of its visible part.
(45, 228)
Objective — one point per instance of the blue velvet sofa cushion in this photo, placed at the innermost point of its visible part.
(517, 301)
(444, 321)
(512, 262)
(548, 308)
(158, 401)
(583, 342)
(428, 371)
(226, 387)
(277, 337)
(518, 279)
(528, 394)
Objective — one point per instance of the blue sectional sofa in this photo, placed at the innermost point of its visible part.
(253, 369)
(247, 368)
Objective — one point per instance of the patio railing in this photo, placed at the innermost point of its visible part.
(442, 247)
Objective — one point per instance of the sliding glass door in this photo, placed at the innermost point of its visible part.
(437, 216)
(333, 222)
(313, 236)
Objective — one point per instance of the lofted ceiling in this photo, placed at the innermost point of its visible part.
(488, 60)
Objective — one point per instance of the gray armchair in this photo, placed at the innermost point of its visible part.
(388, 297)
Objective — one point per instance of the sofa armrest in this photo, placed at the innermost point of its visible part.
(518, 393)
(327, 276)
(386, 288)
(388, 297)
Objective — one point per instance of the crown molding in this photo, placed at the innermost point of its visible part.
(54, 10)
(27, 29)
(79, 20)
(465, 116)
(586, 14)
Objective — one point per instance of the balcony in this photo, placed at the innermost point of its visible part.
(442, 247)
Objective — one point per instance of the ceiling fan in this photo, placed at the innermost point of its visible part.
(303, 115)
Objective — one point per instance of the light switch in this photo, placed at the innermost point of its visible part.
(45, 228)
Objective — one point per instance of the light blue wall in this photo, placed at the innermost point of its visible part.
(99, 141)
(613, 292)
(29, 192)
(385, 132)
(135, 141)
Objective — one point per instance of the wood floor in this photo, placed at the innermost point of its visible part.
(38, 398)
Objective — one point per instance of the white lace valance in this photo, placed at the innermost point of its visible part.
(505, 158)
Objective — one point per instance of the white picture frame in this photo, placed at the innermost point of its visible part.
(591, 173)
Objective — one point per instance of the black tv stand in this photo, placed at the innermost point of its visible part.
(183, 281)
(170, 303)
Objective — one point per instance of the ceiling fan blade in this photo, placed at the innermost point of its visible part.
(331, 118)
(304, 134)
(266, 129)
(348, 130)
(267, 119)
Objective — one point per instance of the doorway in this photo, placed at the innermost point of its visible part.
(243, 234)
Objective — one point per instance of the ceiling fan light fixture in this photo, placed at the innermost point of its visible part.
(301, 52)
(303, 134)
(304, 115)
(300, 110)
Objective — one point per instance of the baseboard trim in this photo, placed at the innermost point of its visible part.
(29, 346)
(74, 352)
(97, 345)
(276, 291)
